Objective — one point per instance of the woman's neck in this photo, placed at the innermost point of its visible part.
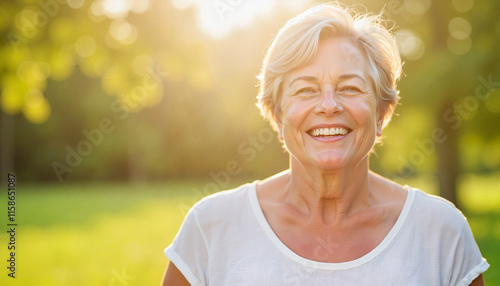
(327, 197)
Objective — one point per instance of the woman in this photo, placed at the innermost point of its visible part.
(328, 86)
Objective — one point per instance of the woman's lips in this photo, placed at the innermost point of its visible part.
(328, 132)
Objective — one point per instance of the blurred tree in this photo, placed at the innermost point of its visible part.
(449, 52)
(45, 40)
(42, 43)
(62, 59)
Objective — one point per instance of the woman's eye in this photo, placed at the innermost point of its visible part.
(306, 90)
(350, 90)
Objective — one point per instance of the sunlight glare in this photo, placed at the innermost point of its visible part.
(116, 8)
(182, 4)
(140, 6)
(410, 45)
(459, 28)
(219, 17)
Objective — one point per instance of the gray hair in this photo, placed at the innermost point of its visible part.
(297, 43)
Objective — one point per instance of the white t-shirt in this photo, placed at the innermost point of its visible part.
(226, 240)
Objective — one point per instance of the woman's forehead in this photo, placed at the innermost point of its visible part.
(334, 58)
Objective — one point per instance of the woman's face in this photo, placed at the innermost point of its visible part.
(329, 110)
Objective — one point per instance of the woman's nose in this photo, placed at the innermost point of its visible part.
(329, 104)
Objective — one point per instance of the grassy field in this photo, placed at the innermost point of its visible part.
(114, 234)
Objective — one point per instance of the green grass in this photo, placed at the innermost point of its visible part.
(114, 234)
(95, 234)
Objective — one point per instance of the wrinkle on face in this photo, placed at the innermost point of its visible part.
(339, 81)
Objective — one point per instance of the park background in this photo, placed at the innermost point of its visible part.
(118, 115)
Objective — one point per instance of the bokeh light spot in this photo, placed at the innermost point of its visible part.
(36, 108)
(417, 7)
(492, 103)
(29, 20)
(491, 159)
(85, 46)
(62, 63)
(116, 8)
(459, 28)
(24, 71)
(75, 4)
(123, 31)
(120, 29)
(462, 5)
(410, 45)
(114, 80)
(93, 17)
(33, 73)
(12, 94)
(42, 70)
(218, 18)
(97, 9)
(459, 47)
(140, 6)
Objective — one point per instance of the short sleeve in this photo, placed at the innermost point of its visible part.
(189, 250)
(468, 263)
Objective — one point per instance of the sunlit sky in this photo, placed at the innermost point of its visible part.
(219, 17)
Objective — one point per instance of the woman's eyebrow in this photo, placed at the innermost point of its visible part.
(341, 77)
(305, 77)
(351, 75)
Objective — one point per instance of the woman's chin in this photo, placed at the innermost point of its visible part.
(330, 161)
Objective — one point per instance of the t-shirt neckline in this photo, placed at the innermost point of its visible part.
(259, 215)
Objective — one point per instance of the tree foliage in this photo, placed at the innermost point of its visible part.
(182, 103)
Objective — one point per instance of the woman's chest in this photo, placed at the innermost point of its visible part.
(333, 246)
(334, 243)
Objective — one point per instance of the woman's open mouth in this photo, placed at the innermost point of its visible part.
(328, 132)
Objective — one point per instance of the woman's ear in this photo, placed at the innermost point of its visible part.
(278, 121)
(280, 128)
(380, 124)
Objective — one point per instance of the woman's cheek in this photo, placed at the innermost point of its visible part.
(289, 108)
(297, 106)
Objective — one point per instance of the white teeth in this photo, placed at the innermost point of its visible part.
(329, 131)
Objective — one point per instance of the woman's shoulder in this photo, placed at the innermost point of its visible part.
(437, 212)
(223, 201)
(424, 209)
(432, 202)
(417, 198)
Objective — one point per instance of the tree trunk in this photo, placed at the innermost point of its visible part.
(6, 147)
(448, 161)
(136, 168)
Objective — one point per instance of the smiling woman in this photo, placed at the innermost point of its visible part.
(331, 92)
(328, 87)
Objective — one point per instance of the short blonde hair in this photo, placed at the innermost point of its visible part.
(297, 43)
